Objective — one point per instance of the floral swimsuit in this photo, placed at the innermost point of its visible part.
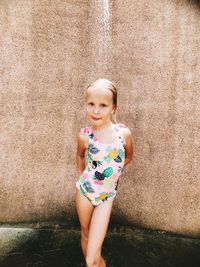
(104, 164)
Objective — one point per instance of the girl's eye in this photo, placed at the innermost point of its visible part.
(103, 105)
(91, 104)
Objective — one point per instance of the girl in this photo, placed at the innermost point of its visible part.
(109, 148)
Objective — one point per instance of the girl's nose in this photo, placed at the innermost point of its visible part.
(96, 110)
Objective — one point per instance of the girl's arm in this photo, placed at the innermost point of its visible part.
(129, 146)
(80, 155)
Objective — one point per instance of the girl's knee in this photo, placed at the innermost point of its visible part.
(92, 261)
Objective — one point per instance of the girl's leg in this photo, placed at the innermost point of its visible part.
(98, 228)
(84, 209)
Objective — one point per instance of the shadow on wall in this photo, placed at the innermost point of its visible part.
(197, 2)
(193, 3)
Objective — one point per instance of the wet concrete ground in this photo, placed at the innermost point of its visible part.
(123, 247)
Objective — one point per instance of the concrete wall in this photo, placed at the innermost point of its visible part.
(49, 55)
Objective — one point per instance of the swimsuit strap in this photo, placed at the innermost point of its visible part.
(88, 132)
(121, 125)
(118, 127)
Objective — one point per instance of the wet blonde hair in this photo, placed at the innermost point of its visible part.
(105, 83)
(108, 85)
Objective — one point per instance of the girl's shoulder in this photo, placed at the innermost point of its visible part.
(124, 130)
(86, 132)
(84, 135)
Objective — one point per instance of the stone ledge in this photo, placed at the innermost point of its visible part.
(56, 245)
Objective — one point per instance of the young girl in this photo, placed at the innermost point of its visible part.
(109, 148)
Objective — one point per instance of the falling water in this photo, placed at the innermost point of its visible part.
(101, 36)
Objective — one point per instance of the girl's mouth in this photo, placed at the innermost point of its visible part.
(95, 118)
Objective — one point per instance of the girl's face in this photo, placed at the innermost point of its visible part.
(99, 106)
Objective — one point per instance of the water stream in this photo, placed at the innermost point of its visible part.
(101, 36)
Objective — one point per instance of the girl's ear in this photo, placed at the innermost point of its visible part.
(114, 109)
(113, 116)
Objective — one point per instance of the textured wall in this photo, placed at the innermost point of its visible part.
(157, 60)
(48, 57)
(43, 51)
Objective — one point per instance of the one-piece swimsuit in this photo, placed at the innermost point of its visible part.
(104, 164)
